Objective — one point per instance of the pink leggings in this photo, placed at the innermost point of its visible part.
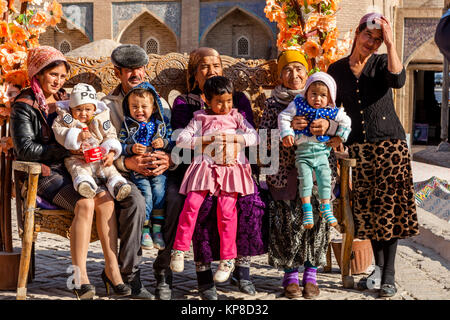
(226, 222)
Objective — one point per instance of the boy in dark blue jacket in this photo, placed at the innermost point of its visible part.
(145, 129)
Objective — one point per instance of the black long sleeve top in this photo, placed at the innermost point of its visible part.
(368, 100)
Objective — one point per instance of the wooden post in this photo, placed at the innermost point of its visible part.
(2, 186)
(8, 246)
(445, 87)
(347, 218)
(27, 239)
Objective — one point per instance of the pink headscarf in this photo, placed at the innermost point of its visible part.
(370, 20)
(39, 58)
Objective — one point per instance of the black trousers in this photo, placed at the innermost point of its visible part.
(384, 252)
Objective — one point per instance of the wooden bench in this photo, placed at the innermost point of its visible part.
(168, 74)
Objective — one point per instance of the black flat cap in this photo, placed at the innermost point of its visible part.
(129, 56)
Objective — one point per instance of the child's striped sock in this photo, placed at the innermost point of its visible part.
(308, 220)
(327, 214)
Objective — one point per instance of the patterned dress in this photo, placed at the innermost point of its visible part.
(290, 244)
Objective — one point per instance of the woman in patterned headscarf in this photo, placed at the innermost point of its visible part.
(32, 115)
(290, 244)
(203, 64)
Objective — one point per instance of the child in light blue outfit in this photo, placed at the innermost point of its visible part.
(313, 151)
(144, 129)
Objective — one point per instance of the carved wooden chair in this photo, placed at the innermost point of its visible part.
(167, 73)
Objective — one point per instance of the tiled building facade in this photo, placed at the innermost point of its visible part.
(240, 29)
(235, 28)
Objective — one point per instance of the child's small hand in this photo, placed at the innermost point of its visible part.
(158, 143)
(334, 142)
(84, 135)
(288, 141)
(109, 159)
(139, 148)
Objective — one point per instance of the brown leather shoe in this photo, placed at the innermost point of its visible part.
(310, 291)
(293, 291)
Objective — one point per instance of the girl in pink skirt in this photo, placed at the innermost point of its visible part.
(214, 171)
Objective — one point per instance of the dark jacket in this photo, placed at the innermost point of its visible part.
(442, 35)
(368, 100)
(130, 127)
(31, 132)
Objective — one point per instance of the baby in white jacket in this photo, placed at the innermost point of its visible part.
(84, 111)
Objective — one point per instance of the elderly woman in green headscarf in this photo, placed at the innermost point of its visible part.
(290, 244)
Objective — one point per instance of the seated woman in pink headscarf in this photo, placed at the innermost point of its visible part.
(32, 115)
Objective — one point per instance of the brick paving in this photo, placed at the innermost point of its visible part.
(420, 274)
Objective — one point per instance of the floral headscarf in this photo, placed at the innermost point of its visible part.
(39, 58)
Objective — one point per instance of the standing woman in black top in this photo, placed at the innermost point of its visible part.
(383, 204)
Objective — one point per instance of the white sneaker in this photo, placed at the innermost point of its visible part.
(224, 271)
(177, 261)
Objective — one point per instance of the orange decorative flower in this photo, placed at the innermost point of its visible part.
(18, 34)
(327, 23)
(33, 42)
(11, 6)
(313, 1)
(17, 77)
(3, 6)
(6, 144)
(56, 13)
(39, 18)
(331, 40)
(3, 98)
(312, 49)
(321, 52)
(5, 112)
(312, 22)
(334, 4)
(4, 30)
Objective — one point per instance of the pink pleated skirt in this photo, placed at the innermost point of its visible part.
(212, 177)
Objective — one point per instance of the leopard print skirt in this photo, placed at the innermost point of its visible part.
(383, 191)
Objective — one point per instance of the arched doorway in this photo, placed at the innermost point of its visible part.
(424, 93)
(146, 30)
(239, 33)
(70, 38)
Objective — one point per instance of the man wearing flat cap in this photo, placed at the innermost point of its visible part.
(129, 67)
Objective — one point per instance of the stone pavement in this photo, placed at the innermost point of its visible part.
(421, 273)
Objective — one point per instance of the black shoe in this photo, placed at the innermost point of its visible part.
(373, 281)
(163, 289)
(138, 291)
(387, 290)
(86, 292)
(120, 290)
(245, 286)
(208, 292)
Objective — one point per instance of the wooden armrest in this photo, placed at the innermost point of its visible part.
(348, 162)
(28, 167)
